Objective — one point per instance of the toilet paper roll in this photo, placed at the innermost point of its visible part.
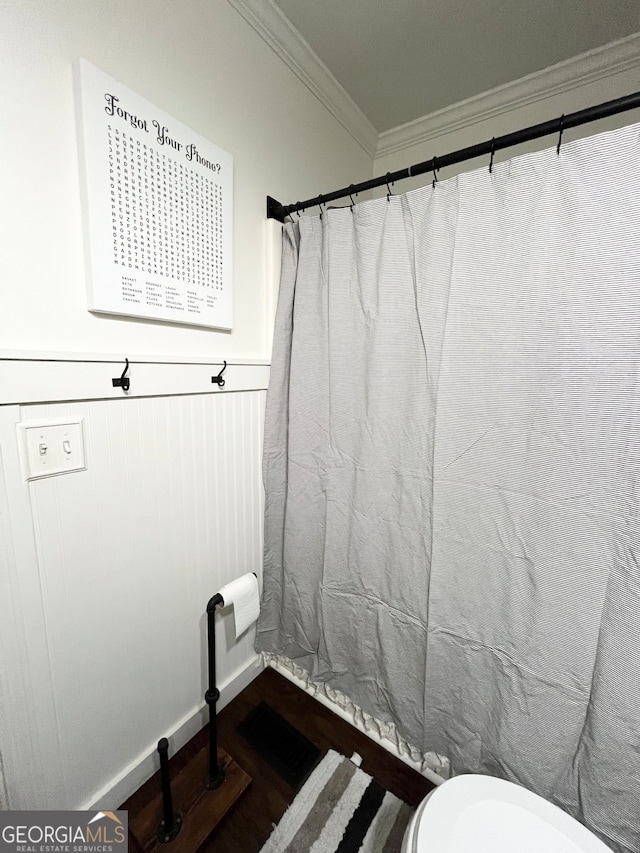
(243, 594)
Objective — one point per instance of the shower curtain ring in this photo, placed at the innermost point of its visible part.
(298, 209)
(320, 203)
(561, 132)
(434, 169)
(493, 151)
(389, 193)
(352, 188)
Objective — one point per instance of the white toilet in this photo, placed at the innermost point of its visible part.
(481, 814)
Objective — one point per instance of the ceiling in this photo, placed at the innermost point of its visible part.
(400, 60)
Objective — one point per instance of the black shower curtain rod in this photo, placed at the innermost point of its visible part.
(278, 211)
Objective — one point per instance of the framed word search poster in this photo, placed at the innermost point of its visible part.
(158, 209)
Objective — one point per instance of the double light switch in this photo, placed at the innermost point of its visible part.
(51, 447)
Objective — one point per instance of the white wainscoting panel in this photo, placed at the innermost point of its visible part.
(127, 554)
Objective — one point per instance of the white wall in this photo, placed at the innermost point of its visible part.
(105, 576)
(199, 61)
(105, 573)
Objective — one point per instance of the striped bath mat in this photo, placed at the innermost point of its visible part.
(340, 809)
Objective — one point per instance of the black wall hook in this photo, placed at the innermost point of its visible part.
(218, 379)
(123, 381)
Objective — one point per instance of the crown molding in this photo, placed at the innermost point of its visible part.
(277, 31)
(581, 70)
(282, 37)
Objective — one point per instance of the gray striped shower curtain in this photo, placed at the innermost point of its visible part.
(452, 470)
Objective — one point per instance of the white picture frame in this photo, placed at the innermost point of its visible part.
(157, 209)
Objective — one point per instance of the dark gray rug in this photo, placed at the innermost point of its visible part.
(340, 809)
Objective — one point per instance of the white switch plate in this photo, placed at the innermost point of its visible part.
(51, 447)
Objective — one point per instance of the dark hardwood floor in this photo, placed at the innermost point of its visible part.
(249, 823)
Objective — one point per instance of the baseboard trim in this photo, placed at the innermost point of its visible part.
(135, 774)
(386, 744)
